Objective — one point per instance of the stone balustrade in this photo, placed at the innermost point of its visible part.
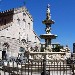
(49, 55)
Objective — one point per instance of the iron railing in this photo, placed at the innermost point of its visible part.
(38, 63)
(35, 67)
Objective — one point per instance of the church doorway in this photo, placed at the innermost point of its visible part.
(3, 55)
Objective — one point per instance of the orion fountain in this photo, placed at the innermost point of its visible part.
(48, 36)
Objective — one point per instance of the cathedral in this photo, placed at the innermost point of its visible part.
(16, 32)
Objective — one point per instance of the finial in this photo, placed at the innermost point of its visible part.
(48, 12)
(48, 6)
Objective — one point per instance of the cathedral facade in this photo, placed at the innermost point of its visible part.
(16, 31)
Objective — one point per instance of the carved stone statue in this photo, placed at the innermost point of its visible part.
(49, 48)
(48, 12)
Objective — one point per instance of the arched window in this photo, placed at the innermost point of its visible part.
(29, 25)
(24, 14)
(22, 49)
(23, 41)
(6, 45)
(24, 22)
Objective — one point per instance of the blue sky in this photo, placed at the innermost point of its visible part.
(62, 12)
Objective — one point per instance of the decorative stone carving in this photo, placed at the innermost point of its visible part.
(48, 48)
(65, 49)
(48, 29)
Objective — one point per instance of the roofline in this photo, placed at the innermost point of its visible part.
(18, 10)
(36, 35)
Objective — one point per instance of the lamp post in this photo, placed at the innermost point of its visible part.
(44, 65)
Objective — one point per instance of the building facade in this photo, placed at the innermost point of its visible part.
(16, 31)
(73, 47)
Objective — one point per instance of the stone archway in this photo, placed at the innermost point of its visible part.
(5, 49)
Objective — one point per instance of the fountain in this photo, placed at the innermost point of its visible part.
(48, 36)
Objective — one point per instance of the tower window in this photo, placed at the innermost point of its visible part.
(24, 20)
(29, 25)
(24, 14)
